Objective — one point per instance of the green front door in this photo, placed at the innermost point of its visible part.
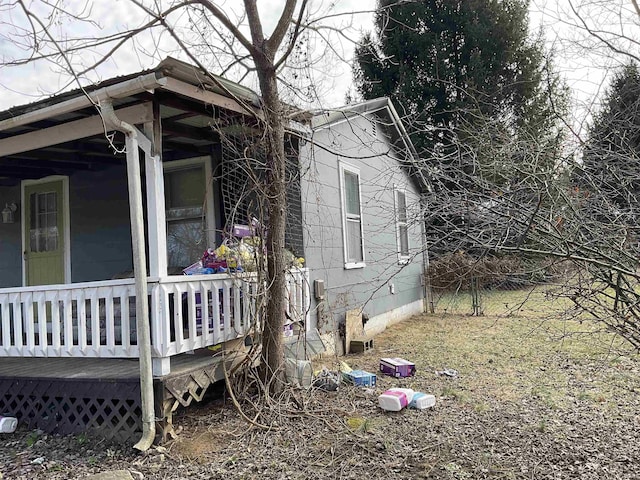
(44, 233)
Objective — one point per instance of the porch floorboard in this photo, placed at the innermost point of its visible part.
(96, 369)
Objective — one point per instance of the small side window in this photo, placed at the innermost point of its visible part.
(351, 217)
(402, 228)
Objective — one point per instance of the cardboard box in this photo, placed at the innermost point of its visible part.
(397, 367)
(241, 231)
(360, 378)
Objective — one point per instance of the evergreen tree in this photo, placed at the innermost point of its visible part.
(482, 105)
(610, 170)
(452, 63)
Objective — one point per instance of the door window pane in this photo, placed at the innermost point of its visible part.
(43, 222)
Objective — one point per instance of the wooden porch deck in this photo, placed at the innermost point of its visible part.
(96, 369)
(102, 395)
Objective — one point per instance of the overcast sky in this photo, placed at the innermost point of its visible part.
(332, 75)
(36, 80)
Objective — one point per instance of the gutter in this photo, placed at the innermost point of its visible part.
(139, 268)
(136, 85)
(408, 144)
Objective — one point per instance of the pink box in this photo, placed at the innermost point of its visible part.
(397, 367)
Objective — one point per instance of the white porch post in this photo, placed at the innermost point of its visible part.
(155, 199)
(161, 366)
(156, 222)
(140, 274)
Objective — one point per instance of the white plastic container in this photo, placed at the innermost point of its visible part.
(422, 400)
(305, 373)
(8, 424)
(393, 400)
(299, 372)
(407, 391)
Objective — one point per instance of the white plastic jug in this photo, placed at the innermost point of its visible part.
(407, 391)
(422, 400)
(8, 424)
(392, 401)
(299, 372)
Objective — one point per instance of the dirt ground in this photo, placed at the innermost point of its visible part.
(533, 399)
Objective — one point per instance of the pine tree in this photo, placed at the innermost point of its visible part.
(449, 62)
(610, 170)
(481, 102)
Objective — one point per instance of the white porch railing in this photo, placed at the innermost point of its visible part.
(98, 319)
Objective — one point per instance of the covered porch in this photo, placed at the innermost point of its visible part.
(85, 205)
(98, 319)
(66, 261)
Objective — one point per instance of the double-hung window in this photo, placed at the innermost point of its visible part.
(189, 211)
(351, 216)
(402, 230)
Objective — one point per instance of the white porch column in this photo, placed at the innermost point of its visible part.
(161, 366)
(156, 219)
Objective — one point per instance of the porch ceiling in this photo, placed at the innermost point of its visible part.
(57, 139)
(186, 132)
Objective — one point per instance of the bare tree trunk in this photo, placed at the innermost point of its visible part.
(263, 52)
(272, 344)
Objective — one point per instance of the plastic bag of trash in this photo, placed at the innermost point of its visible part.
(326, 380)
(447, 372)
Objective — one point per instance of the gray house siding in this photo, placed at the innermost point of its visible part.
(362, 145)
(100, 227)
(10, 243)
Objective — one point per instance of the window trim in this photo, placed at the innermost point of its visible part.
(402, 258)
(210, 218)
(342, 168)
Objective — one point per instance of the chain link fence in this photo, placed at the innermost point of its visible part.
(478, 301)
(505, 287)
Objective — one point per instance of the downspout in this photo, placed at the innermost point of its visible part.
(140, 272)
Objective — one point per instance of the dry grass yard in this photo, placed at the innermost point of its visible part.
(534, 399)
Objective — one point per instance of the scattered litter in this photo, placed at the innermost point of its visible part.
(448, 372)
(298, 372)
(397, 367)
(238, 252)
(287, 329)
(38, 461)
(360, 378)
(8, 424)
(421, 401)
(326, 380)
(394, 400)
(344, 367)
